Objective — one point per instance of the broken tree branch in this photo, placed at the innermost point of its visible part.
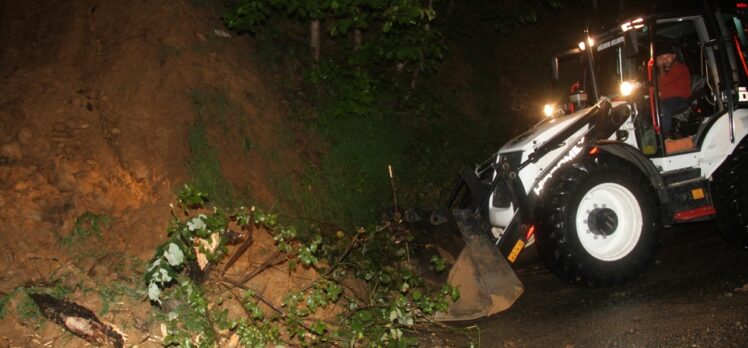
(241, 250)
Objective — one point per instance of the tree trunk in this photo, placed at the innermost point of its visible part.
(314, 39)
(357, 39)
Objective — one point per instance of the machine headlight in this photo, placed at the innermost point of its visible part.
(628, 88)
(583, 46)
(548, 110)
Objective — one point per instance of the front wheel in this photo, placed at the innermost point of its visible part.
(599, 223)
(731, 196)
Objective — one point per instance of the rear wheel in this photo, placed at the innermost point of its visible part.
(730, 190)
(599, 223)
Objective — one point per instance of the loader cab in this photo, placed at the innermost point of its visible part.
(620, 65)
(664, 128)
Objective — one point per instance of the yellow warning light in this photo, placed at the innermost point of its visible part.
(697, 193)
(515, 251)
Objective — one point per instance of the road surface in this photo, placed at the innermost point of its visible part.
(695, 294)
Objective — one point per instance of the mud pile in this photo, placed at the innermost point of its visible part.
(97, 99)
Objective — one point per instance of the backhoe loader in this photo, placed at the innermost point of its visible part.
(593, 184)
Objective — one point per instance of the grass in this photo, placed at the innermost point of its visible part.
(25, 308)
(214, 107)
(4, 301)
(111, 293)
(86, 225)
(205, 168)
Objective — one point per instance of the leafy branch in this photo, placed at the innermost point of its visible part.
(394, 312)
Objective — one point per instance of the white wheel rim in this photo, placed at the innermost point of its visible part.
(627, 233)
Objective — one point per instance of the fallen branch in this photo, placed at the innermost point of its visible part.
(245, 245)
(271, 306)
(334, 265)
(268, 263)
(239, 251)
(79, 320)
(259, 297)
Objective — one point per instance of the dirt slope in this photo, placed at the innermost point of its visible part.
(97, 99)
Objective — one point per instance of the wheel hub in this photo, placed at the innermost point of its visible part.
(609, 221)
(602, 221)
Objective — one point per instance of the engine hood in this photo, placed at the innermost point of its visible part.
(542, 132)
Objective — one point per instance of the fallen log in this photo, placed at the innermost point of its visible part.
(79, 320)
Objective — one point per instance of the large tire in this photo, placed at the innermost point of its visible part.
(598, 222)
(730, 190)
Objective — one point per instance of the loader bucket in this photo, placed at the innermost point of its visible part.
(486, 281)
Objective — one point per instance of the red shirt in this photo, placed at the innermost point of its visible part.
(676, 82)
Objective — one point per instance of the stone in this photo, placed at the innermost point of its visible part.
(65, 176)
(24, 136)
(221, 33)
(21, 186)
(59, 127)
(141, 171)
(11, 150)
(33, 214)
(116, 131)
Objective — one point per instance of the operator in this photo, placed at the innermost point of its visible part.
(674, 80)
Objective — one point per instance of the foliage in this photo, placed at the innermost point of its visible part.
(396, 30)
(4, 301)
(528, 12)
(86, 225)
(366, 103)
(398, 301)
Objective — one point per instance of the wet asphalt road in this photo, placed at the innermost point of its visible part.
(695, 294)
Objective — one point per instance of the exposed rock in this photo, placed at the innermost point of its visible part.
(65, 176)
(24, 136)
(221, 33)
(32, 214)
(21, 186)
(59, 127)
(11, 150)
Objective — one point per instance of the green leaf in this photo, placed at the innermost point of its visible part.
(319, 328)
(387, 26)
(454, 293)
(416, 295)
